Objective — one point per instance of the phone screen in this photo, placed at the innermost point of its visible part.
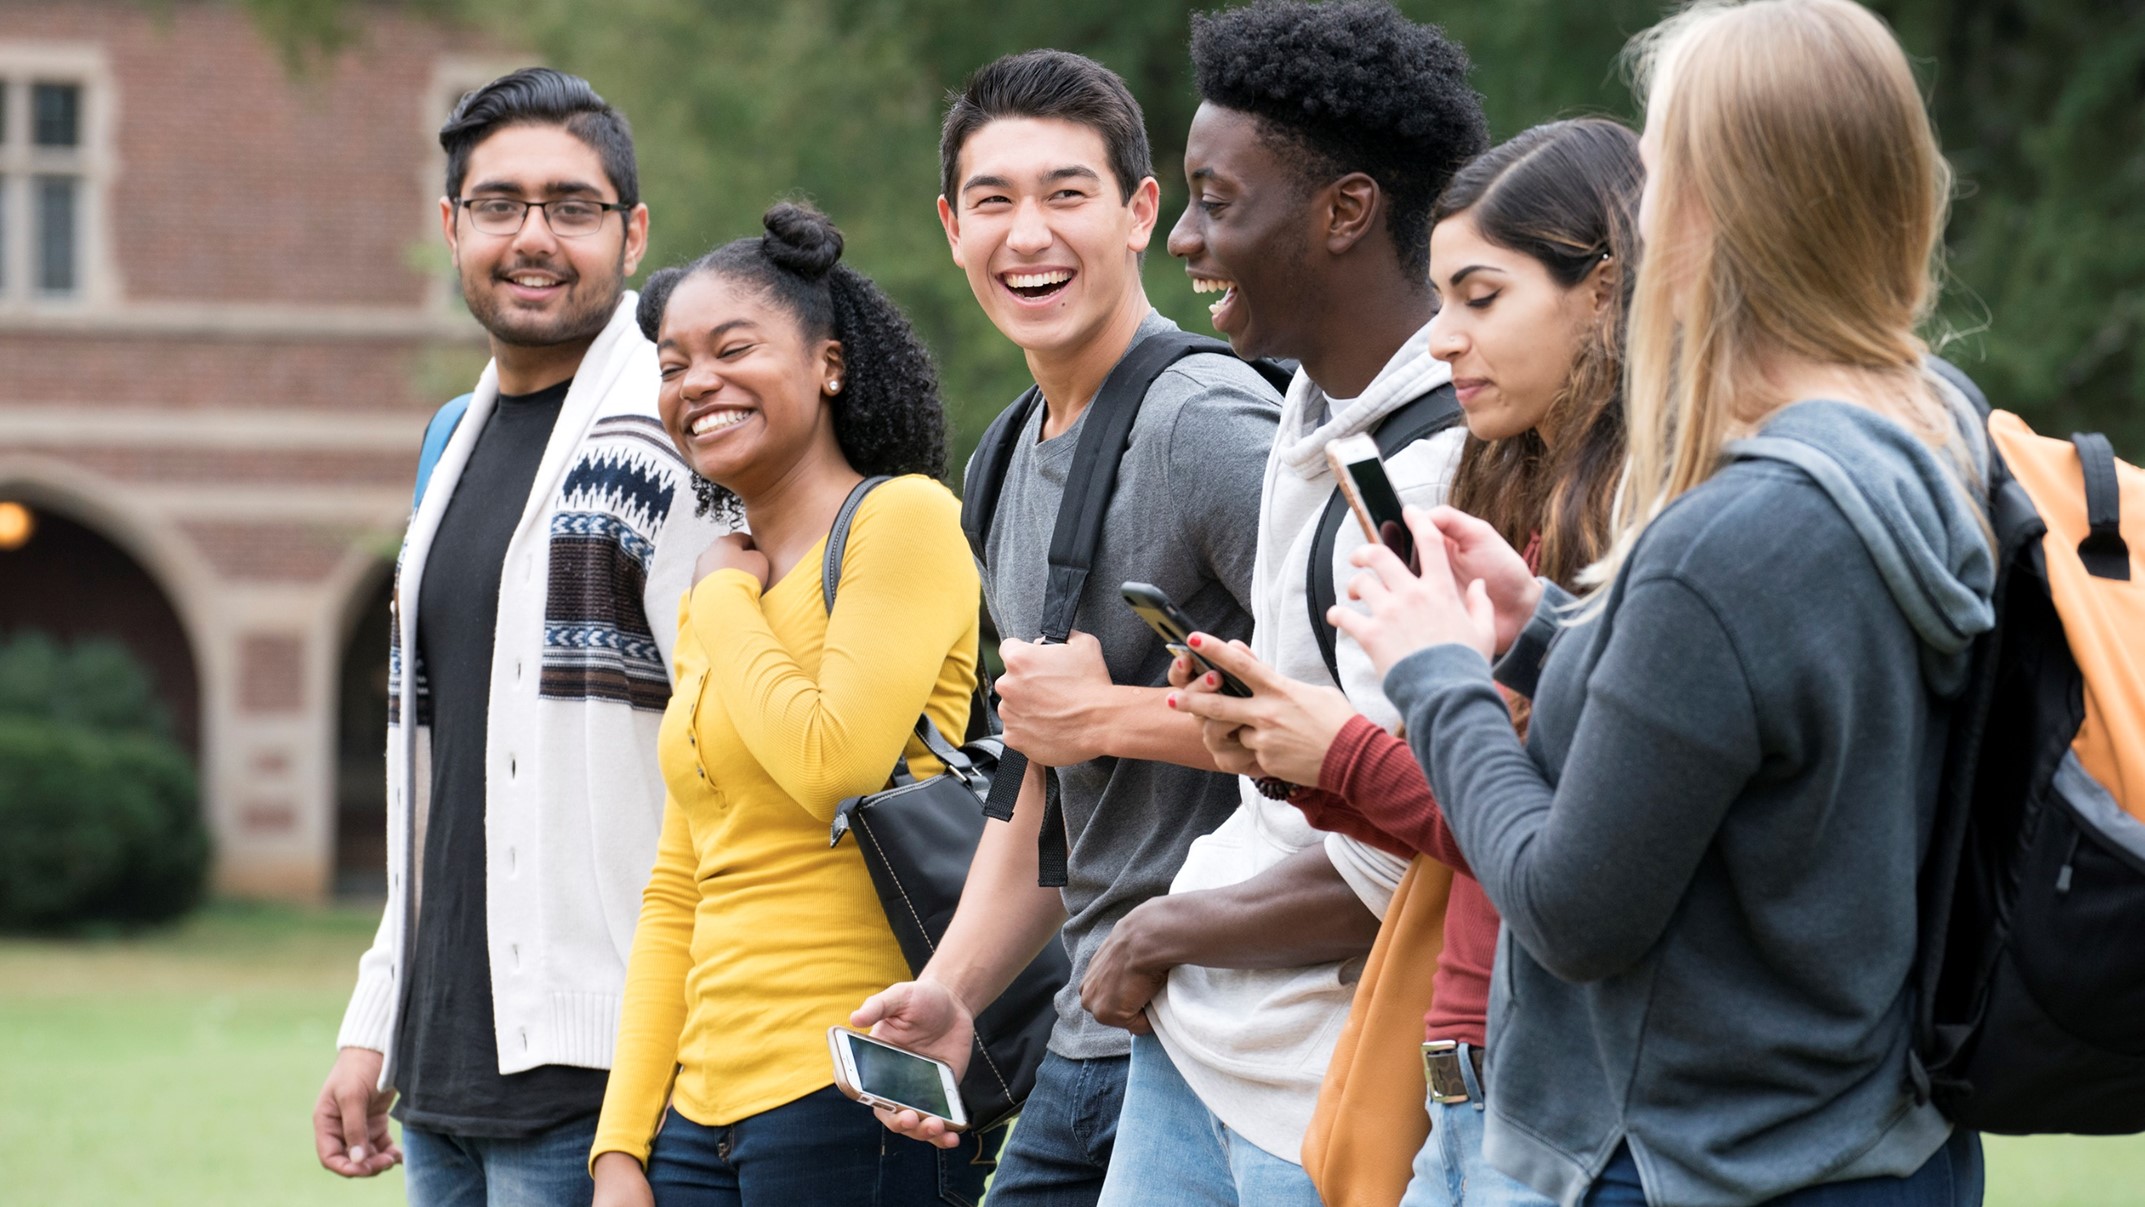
(893, 1075)
(1383, 505)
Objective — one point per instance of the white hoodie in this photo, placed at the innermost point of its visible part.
(1254, 1043)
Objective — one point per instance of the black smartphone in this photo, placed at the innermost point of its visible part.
(1360, 473)
(1175, 629)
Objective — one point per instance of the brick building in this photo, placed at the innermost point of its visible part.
(224, 319)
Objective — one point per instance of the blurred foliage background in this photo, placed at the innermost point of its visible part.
(2040, 105)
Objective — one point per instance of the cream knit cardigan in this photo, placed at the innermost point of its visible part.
(573, 797)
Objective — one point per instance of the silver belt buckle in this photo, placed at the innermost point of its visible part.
(1438, 1056)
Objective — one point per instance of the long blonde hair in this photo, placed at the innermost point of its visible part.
(1798, 203)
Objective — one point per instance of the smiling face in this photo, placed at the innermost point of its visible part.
(533, 288)
(744, 390)
(1246, 233)
(1040, 226)
(1510, 332)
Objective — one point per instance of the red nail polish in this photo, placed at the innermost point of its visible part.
(1172, 699)
(1194, 639)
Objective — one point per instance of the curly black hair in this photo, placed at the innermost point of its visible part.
(888, 418)
(1351, 86)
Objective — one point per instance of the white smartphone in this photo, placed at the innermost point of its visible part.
(877, 1073)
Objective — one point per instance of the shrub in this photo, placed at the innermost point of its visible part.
(100, 818)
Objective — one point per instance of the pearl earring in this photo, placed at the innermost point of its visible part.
(835, 386)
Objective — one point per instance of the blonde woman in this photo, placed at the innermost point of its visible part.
(1705, 854)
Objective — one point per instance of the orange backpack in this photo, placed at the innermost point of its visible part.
(2031, 985)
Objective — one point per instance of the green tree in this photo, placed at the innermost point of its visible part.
(2041, 107)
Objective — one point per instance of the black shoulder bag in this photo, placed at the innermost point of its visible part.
(917, 838)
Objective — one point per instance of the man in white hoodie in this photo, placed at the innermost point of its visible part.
(536, 597)
(1324, 136)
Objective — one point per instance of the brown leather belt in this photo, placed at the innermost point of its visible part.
(1441, 1070)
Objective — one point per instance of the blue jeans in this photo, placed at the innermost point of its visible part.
(1061, 1144)
(1449, 1170)
(549, 1169)
(1171, 1148)
(1950, 1178)
(820, 1149)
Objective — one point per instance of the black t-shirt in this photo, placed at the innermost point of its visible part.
(448, 1067)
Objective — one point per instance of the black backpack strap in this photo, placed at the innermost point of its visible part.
(1418, 420)
(2104, 552)
(1088, 487)
(986, 470)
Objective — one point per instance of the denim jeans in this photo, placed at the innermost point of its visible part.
(822, 1149)
(1061, 1144)
(1950, 1178)
(1449, 1170)
(549, 1169)
(1171, 1148)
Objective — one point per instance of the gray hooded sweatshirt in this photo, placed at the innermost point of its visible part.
(1705, 855)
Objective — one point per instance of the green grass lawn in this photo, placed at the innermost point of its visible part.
(180, 1069)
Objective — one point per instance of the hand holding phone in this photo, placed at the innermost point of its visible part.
(1175, 629)
(877, 1073)
(1360, 474)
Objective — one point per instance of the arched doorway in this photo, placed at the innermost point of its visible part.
(62, 577)
(360, 749)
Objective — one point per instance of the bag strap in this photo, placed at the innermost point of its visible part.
(1078, 531)
(1419, 419)
(986, 470)
(830, 578)
(438, 431)
(2104, 552)
(830, 569)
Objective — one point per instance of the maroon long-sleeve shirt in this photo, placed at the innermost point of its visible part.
(1371, 788)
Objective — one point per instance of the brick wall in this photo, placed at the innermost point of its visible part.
(237, 182)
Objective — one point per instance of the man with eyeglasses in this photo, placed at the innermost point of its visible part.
(535, 601)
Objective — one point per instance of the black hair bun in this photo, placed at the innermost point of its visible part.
(801, 239)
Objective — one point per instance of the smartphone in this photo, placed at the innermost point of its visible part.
(1175, 629)
(877, 1073)
(1360, 474)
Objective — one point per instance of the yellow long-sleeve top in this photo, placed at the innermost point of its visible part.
(755, 936)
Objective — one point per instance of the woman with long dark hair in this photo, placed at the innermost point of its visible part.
(1528, 254)
(787, 380)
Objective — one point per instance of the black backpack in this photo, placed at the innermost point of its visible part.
(2029, 989)
(1078, 531)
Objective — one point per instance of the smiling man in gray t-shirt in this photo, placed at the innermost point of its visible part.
(1049, 200)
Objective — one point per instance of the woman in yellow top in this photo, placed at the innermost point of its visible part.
(786, 378)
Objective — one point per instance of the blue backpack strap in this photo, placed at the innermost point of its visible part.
(437, 433)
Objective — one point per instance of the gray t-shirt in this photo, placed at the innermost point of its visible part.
(1184, 517)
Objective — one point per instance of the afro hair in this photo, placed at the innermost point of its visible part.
(1351, 86)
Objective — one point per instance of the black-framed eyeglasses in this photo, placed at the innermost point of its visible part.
(568, 217)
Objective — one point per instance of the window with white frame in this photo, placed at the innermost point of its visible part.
(46, 158)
